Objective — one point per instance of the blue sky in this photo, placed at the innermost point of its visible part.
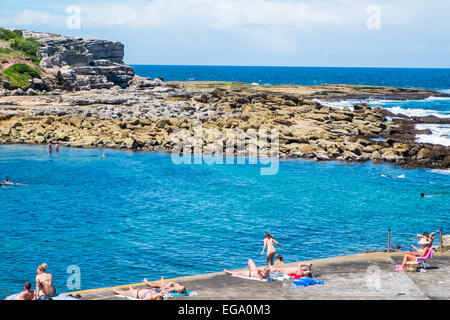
(376, 33)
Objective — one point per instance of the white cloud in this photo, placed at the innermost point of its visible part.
(30, 17)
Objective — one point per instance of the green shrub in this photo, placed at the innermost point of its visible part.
(6, 34)
(29, 45)
(20, 74)
(18, 33)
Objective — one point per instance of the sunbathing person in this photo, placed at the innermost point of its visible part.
(269, 243)
(252, 272)
(303, 270)
(143, 294)
(169, 286)
(27, 294)
(412, 256)
(44, 280)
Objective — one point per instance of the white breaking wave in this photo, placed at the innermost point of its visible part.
(412, 112)
(337, 104)
(440, 134)
(441, 171)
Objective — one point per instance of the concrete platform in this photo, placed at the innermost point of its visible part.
(361, 276)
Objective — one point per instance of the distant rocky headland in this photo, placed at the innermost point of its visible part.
(79, 92)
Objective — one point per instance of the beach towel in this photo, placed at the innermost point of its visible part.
(306, 281)
(58, 297)
(13, 296)
(63, 297)
(188, 293)
(281, 278)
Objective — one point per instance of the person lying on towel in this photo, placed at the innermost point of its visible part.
(143, 294)
(169, 286)
(303, 270)
(252, 272)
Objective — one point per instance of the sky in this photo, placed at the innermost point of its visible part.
(337, 33)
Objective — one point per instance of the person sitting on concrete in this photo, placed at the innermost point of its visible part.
(279, 260)
(169, 286)
(412, 256)
(26, 294)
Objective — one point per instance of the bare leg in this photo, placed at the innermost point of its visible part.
(130, 292)
(155, 284)
(252, 266)
(408, 257)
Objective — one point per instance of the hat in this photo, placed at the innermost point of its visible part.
(423, 241)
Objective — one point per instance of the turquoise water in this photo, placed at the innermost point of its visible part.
(134, 214)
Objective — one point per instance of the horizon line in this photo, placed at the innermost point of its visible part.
(274, 66)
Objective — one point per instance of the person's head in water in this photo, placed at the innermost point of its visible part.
(268, 235)
(425, 234)
(27, 285)
(422, 195)
(279, 257)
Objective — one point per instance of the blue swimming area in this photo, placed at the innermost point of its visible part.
(136, 214)
(397, 77)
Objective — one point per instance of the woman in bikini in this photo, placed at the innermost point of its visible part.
(268, 242)
(412, 256)
(44, 280)
(252, 272)
(143, 294)
(303, 270)
(169, 286)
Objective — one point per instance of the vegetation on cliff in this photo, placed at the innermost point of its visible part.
(19, 75)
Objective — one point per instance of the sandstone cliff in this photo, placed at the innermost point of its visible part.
(82, 64)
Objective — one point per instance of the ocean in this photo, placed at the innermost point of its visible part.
(131, 215)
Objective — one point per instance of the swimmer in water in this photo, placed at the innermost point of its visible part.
(49, 147)
(57, 147)
(429, 196)
(6, 181)
(383, 175)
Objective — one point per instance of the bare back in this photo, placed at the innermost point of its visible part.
(45, 280)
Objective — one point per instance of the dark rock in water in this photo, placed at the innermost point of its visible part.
(431, 119)
(425, 131)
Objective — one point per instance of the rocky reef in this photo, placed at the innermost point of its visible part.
(146, 115)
